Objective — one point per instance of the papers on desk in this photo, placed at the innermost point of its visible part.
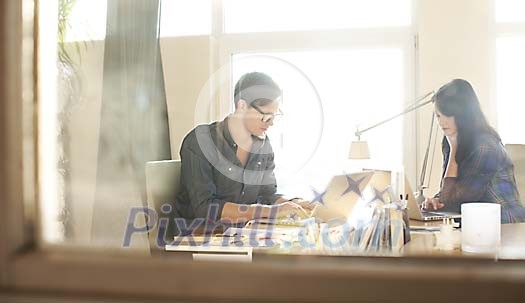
(387, 232)
(285, 222)
(212, 248)
(275, 232)
(256, 234)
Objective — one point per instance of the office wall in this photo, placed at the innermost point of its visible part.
(455, 41)
(188, 65)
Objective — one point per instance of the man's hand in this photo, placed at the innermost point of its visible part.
(432, 204)
(289, 210)
(305, 204)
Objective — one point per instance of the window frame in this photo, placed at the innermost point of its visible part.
(26, 267)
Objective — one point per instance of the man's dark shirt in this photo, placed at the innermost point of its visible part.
(212, 175)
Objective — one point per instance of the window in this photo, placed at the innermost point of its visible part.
(85, 20)
(338, 71)
(510, 64)
(510, 11)
(326, 95)
(243, 16)
(510, 93)
(342, 64)
(82, 274)
(185, 18)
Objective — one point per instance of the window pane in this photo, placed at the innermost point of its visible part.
(276, 15)
(325, 95)
(79, 129)
(510, 10)
(510, 93)
(86, 19)
(185, 18)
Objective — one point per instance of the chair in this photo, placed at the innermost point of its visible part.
(162, 186)
(517, 154)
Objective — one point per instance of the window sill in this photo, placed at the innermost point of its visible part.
(269, 277)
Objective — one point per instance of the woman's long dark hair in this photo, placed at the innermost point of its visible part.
(458, 99)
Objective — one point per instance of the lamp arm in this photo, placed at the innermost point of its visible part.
(425, 160)
(417, 104)
(411, 108)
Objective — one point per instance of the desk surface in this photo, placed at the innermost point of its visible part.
(512, 244)
(422, 244)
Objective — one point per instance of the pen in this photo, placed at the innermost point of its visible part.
(227, 236)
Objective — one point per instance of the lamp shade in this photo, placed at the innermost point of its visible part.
(359, 150)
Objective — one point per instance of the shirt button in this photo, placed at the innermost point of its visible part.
(234, 145)
(242, 193)
(229, 169)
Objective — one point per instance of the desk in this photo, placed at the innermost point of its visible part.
(422, 244)
(512, 244)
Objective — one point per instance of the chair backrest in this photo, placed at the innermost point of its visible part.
(517, 154)
(162, 186)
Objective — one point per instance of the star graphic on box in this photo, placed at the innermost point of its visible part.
(379, 195)
(353, 186)
(318, 197)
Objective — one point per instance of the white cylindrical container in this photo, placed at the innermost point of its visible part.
(480, 227)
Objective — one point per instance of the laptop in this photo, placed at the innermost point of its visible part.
(415, 212)
(341, 196)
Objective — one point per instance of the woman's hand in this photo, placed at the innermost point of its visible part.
(432, 204)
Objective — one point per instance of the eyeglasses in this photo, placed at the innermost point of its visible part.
(266, 117)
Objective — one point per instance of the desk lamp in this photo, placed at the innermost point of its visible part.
(359, 149)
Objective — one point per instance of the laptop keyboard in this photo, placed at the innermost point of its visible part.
(432, 214)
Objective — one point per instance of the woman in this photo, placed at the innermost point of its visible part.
(476, 167)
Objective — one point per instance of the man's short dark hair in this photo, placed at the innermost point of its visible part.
(257, 89)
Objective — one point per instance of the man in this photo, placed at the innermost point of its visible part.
(227, 166)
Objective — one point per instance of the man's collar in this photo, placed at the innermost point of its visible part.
(259, 141)
(226, 132)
